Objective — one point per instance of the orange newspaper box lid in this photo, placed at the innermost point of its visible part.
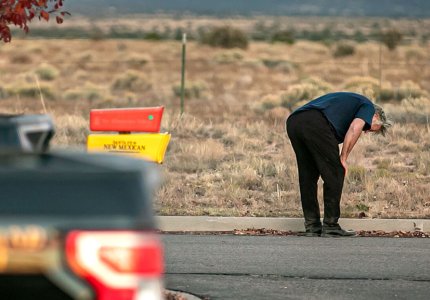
(146, 119)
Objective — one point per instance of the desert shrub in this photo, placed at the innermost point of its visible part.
(415, 54)
(138, 60)
(409, 89)
(96, 33)
(311, 47)
(297, 93)
(382, 163)
(192, 89)
(360, 81)
(131, 81)
(279, 64)
(71, 130)
(283, 36)
(228, 57)
(325, 35)
(266, 168)
(387, 94)
(362, 207)
(197, 157)
(359, 36)
(344, 49)
(32, 91)
(276, 115)
(356, 178)
(153, 36)
(47, 72)
(391, 38)
(307, 90)
(91, 93)
(267, 103)
(21, 58)
(260, 31)
(416, 110)
(247, 179)
(365, 85)
(423, 159)
(320, 85)
(226, 37)
(86, 57)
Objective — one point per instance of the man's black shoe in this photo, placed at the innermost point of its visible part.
(309, 234)
(336, 231)
(311, 231)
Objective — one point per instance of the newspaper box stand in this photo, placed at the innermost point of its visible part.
(137, 132)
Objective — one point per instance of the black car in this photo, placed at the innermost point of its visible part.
(74, 225)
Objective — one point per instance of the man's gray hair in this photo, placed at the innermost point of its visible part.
(383, 120)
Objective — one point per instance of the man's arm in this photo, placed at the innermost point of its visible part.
(351, 138)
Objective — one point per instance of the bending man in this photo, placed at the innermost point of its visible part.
(315, 130)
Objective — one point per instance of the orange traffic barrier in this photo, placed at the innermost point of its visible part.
(147, 119)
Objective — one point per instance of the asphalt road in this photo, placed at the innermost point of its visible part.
(273, 267)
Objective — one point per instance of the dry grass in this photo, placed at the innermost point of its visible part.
(229, 154)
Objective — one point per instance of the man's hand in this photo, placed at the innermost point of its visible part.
(344, 165)
(351, 138)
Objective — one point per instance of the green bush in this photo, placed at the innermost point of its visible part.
(153, 36)
(131, 81)
(192, 90)
(362, 207)
(231, 56)
(83, 94)
(356, 174)
(138, 60)
(260, 31)
(307, 90)
(391, 38)
(31, 91)
(279, 64)
(344, 49)
(226, 37)
(407, 89)
(283, 36)
(47, 72)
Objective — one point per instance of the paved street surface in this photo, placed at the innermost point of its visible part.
(273, 267)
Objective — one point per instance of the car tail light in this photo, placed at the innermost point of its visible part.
(120, 265)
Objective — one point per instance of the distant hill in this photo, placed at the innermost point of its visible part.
(355, 8)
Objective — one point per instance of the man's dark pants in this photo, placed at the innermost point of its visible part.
(317, 153)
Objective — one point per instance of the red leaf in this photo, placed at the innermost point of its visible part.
(5, 33)
(44, 15)
(31, 15)
(21, 12)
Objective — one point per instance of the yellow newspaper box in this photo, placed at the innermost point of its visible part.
(151, 146)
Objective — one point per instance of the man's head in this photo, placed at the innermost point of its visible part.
(380, 123)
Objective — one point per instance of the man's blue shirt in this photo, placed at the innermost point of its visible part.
(341, 109)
